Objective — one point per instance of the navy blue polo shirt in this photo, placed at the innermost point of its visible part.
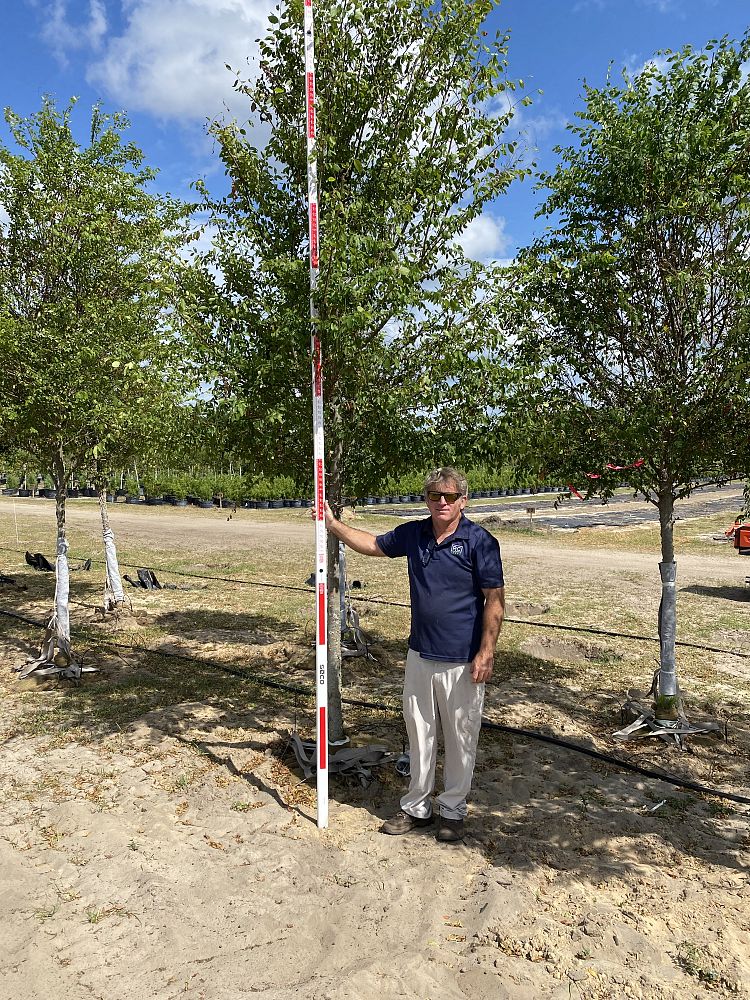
(446, 582)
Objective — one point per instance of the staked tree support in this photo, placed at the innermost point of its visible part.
(321, 559)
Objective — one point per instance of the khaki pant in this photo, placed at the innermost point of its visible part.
(440, 696)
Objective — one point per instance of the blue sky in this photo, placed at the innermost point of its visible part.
(163, 62)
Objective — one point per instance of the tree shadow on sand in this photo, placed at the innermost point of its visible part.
(540, 804)
(238, 627)
(724, 593)
(533, 805)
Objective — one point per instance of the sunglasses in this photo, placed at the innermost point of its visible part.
(434, 496)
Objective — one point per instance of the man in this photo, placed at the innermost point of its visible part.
(457, 604)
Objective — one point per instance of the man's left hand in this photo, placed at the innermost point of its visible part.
(481, 667)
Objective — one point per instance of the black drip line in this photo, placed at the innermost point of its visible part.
(588, 629)
(390, 709)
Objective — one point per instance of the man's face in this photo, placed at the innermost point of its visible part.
(444, 509)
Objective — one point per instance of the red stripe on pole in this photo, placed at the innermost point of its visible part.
(319, 486)
(313, 234)
(321, 614)
(318, 370)
(310, 106)
(323, 762)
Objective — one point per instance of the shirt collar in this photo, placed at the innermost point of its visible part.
(462, 529)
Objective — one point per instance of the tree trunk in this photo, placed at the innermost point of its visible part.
(342, 586)
(56, 655)
(335, 713)
(62, 569)
(114, 597)
(667, 683)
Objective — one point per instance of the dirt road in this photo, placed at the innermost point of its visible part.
(162, 526)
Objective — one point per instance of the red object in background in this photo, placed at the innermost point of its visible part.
(742, 539)
(610, 468)
(618, 468)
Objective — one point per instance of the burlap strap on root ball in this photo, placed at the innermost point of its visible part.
(349, 761)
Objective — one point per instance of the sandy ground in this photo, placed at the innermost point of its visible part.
(180, 858)
(167, 862)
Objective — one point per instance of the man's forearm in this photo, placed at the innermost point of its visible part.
(492, 620)
(357, 539)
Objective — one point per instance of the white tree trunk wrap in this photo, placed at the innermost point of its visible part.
(57, 633)
(62, 594)
(114, 595)
(667, 685)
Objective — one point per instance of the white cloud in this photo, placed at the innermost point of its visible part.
(484, 238)
(529, 125)
(63, 35)
(660, 6)
(634, 67)
(170, 59)
(663, 6)
(538, 127)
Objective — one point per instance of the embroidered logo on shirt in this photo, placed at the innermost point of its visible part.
(457, 549)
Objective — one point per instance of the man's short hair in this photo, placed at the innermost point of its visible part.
(447, 474)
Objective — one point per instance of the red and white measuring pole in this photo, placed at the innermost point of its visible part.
(321, 559)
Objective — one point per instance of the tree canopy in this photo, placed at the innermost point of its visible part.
(635, 303)
(89, 280)
(411, 113)
(412, 108)
(638, 295)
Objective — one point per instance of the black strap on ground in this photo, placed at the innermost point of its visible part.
(529, 734)
(39, 562)
(146, 580)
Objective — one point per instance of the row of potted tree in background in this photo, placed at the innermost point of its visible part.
(179, 489)
(208, 490)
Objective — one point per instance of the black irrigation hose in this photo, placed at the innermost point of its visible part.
(590, 629)
(225, 667)
(660, 775)
(492, 726)
(579, 628)
(22, 618)
(628, 635)
(192, 576)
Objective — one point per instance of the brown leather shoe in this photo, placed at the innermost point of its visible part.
(450, 831)
(403, 823)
